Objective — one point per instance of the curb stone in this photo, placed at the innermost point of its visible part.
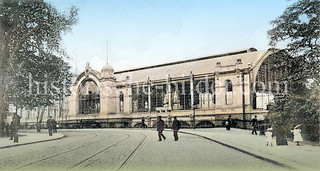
(35, 142)
(244, 151)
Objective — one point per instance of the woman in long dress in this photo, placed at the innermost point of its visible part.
(297, 134)
(269, 136)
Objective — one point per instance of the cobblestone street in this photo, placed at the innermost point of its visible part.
(126, 149)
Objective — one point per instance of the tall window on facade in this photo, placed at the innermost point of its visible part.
(184, 95)
(201, 88)
(213, 89)
(89, 98)
(134, 100)
(198, 88)
(159, 96)
(140, 99)
(204, 92)
(121, 100)
(175, 95)
(228, 88)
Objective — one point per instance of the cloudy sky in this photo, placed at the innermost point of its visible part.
(148, 32)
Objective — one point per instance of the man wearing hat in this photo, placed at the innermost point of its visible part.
(160, 128)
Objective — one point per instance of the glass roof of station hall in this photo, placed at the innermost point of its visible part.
(201, 65)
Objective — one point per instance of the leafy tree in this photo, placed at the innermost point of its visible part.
(30, 52)
(299, 27)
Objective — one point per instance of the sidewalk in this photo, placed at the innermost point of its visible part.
(304, 157)
(29, 137)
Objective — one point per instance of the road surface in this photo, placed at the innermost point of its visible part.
(128, 149)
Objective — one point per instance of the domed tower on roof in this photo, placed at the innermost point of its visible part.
(107, 72)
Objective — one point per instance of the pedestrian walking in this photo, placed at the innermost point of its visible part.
(297, 134)
(7, 129)
(50, 125)
(269, 136)
(143, 123)
(175, 127)
(12, 130)
(254, 124)
(81, 124)
(160, 128)
(228, 123)
(14, 127)
(54, 126)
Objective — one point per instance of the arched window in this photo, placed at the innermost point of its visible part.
(89, 98)
(228, 96)
(121, 98)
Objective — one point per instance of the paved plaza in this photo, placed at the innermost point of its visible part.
(138, 149)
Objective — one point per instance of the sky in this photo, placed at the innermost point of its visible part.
(138, 33)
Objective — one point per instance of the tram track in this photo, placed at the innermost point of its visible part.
(122, 163)
(97, 153)
(120, 150)
(131, 153)
(58, 154)
(66, 136)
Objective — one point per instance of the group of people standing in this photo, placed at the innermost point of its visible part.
(253, 123)
(10, 130)
(5, 129)
(175, 127)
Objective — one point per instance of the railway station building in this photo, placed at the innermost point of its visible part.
(201, 92)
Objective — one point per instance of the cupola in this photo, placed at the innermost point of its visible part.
(107, 71)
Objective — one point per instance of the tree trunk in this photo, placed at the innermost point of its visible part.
(37, 124)
(39, 118)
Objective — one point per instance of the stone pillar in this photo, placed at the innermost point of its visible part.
(108, 97)
(149, 95)
(128, 96)
(191, 89)
(73, 102)
(129, 100)
(243, 101)
(169, 92)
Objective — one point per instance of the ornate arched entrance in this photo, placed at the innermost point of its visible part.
(89, 97)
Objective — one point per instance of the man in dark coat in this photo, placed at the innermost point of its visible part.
(228, 123)
(54, 126)
(160, 128)
(175, 127)
(254, 124)
(12, 130)
(143, 122)
(50, 125)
